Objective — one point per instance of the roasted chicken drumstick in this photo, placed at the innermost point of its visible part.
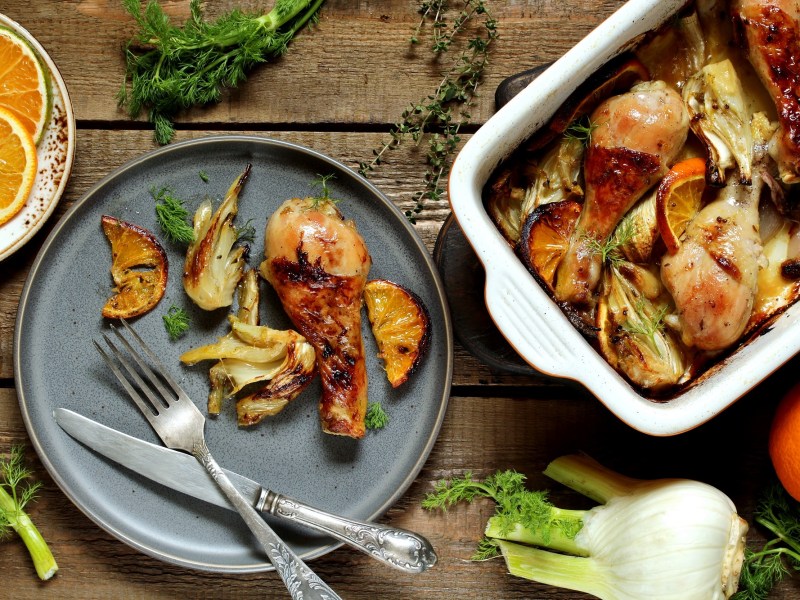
(318, 264)
(713, 277)
(771, 32)
(637, 135)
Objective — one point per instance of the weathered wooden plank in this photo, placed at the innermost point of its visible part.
(334, 73)
(479, 434)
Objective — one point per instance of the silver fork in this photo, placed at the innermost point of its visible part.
(180, 425)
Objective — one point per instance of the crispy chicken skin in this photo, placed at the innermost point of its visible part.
(770, 30)
(637, 136)
(318, 264)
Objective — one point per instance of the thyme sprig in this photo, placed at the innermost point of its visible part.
(440, 116)
(325, 191)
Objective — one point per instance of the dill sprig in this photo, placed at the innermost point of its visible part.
(172, 216)
(647, 325)
(609, 250)
(780, 555)
(581, 130)
(376, 417)
(170, 68)
(13, 473)
(16, 491)
(440, 116)
(515, 506)
(176, 322)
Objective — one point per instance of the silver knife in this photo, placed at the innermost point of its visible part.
(396, 547)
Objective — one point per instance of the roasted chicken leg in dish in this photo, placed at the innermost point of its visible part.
(318, 264)
(713, 277)
(637, 136)
(771, 31)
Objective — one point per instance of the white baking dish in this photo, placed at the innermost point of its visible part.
(522, 310)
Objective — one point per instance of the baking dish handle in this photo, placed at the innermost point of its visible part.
(538, 335)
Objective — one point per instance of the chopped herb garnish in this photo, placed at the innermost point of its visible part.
(172, 216)
(204, 176)
(376, 417)
(581, 130)
(176, 322)
(609, 250)
(647, 325)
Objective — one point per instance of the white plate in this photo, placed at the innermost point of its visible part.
(56, 152)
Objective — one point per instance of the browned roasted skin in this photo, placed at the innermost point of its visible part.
(637, 136)
(771, 32)
(318, 264)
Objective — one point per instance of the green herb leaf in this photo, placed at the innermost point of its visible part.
(515, 504)
(609, 249)
(581, 130)
(646, 325)
(439, 116)
(376, 417)
(203, 176)
(15, 493)
(780, 515)
(322, 182)
(246, 233)
(172, 216)
(170, 68)
(176, 322)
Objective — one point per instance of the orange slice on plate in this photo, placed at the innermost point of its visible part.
(401, 326)
(678, 199)
(18, 164)
(24, 83)
(138, 268)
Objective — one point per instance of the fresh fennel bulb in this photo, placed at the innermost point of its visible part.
(666, 539)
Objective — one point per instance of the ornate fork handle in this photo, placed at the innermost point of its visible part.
(396, 547)
(302, 582)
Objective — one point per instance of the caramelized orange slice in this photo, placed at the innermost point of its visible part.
(678, 200)
(401, 326)
(545, 238)
(138, 268)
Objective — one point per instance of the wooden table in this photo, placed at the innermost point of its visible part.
(338, 90)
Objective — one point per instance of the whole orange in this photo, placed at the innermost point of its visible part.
(784, 442)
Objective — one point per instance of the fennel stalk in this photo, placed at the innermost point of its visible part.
(170, 68)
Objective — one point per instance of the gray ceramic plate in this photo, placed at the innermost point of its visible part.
(55, 364)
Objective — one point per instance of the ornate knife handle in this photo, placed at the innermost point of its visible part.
(398, 548)
(302, 582)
